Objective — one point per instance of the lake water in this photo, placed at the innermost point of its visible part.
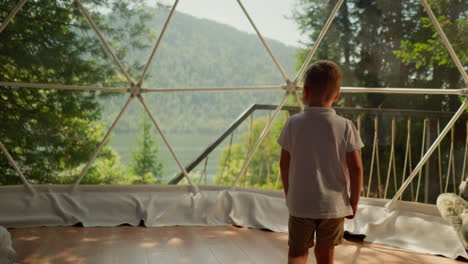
(187, 146)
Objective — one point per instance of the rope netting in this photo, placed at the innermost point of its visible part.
(399, 146)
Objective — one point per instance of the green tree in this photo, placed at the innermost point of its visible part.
(106, 170)
(427, 53)
(389, 44)
(263, 171)
(146, 163)
(51, 132)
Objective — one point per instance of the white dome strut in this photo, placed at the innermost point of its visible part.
(11, 15)
(156, 46)
(104, 41)
(445, 40)
(15, 167)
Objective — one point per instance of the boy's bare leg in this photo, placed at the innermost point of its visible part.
(298, 257)
(324, 255)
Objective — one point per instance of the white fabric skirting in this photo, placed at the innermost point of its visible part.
(413, 226)
(7, 253)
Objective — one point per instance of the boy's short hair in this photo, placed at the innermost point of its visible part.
(323, 79)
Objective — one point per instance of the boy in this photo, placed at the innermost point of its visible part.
(320, 162)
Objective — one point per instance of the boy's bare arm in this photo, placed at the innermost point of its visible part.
(353, 159)
(284, 168)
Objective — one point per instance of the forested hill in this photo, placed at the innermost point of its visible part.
(203, 53)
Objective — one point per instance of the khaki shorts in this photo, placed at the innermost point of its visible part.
(328, 232)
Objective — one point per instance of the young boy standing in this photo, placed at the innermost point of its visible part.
(321, 168)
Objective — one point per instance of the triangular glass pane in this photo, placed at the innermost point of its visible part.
(279, 28)
(50, 43)
(51, 134)
(194, 120)
(385, 44)
(131, 28)
(138, 144)
(311, 18)
(263, 171)
(452, 17)
(201, 49)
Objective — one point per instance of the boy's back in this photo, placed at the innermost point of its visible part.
(317, 141)
(321, 168)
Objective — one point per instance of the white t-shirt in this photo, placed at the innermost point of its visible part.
(317, 141)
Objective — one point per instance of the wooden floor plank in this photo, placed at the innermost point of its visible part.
(259, 249)
(178, 245)
(97, 246)
(191, 246)
(222, 247)
(364, 252)
(129, 245)
(160, 246)
(48, 245)
(65, 245)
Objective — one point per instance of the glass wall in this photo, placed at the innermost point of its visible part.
(52, 133)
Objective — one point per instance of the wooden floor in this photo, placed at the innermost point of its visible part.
(168, 245)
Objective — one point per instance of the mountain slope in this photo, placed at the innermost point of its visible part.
(203, 53)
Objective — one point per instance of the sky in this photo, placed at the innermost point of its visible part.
(270, 16)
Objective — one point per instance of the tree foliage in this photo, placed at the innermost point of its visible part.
(389, 44)
(145, 163)
(50, 133)
(263, 171)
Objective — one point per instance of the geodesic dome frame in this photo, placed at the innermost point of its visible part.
(290, 87)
